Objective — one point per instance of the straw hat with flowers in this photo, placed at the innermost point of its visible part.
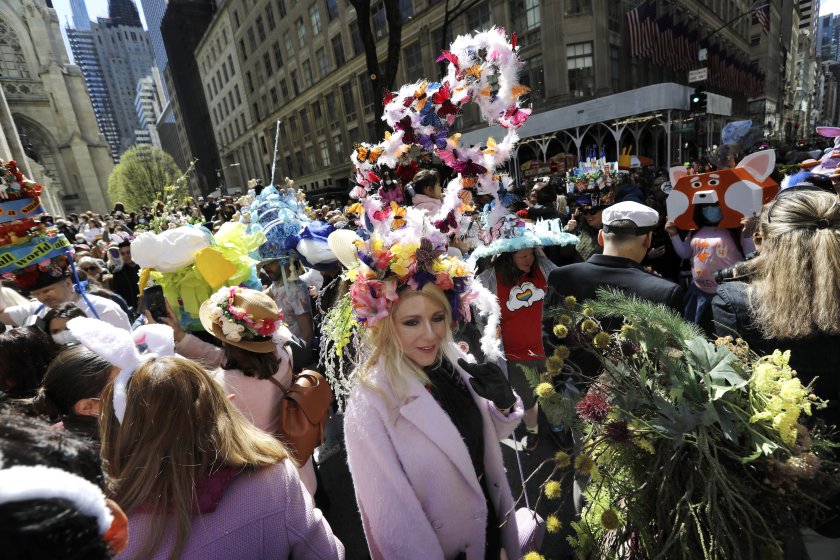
(244, 318)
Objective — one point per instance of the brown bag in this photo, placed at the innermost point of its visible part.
(303, 413)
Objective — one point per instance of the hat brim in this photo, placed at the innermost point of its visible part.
(530, 241)
(260, 347)
(342, 244)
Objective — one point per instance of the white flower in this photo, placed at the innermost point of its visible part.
(232, 331)
(216, 314)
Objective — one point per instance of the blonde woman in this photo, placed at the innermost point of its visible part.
(422, 432)
(197, 480)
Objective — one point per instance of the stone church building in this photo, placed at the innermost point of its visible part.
(46, 118)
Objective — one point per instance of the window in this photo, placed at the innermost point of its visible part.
(532, 76)
(366, 88)
(313, 164)
(338, 50)
(290, 46)
(281, 7)
(579, 63)
(315, 19)
(278, 54)
(413, 62)
(347, 100)
(614, 15)
(249, 81)
(338, 145)
(293, 124)
(526, 15)
(406, 9)
(615, 68)
(275, 99)
(299, 159)
(325, 152)
(269, 17)
(323, 62)
(478, 17)
(230, 63)
(224, 70)
(579, 7)
(304, 121)
(307, 74)
(267, 61)
(236, 18)
(438, 41)
(332, 113)
(252, 41)
(295, 84)
(260, 28)
(301, 32)
(256, 108)
(755, 40)
(284, 89)
(316, 112)
(236, 94)
(356, 39)
(289, 168)
(379, 23)
(263, 145)
(242, 49)
(332, 9)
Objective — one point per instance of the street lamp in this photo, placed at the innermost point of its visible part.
(222, 183)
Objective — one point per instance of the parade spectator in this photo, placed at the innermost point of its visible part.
(427, 191)
(25, 354)
(125, 280)
(586, 229)
(206, 484)
(291, 295)
(55, 323)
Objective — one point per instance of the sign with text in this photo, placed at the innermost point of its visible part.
(699, 75)
(17, 209)
(35, 250)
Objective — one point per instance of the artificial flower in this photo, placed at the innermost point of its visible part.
(584, 464)
(601, 340)
(561, 330)
(533, 556)
(553, 524)
(552, 489)
(562, 352)
(570, 301)
(544, 390)
(562, 459)
(565, 320)
(609, 520)
(593, 407)
(589, 326)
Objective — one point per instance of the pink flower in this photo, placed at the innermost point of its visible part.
(266, 328)
(593, 407)
(444, 281)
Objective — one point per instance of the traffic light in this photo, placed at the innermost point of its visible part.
(698, 101)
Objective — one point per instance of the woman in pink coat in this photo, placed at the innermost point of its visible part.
(427, 191)
(422, 430)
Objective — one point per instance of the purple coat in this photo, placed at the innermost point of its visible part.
(263, 514)
(415, 484)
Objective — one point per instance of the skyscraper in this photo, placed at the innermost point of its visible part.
(81, 20)
(124, 12)
(154, 10)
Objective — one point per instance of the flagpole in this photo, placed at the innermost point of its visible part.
(274, 160)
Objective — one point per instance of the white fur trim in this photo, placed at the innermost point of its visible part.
(20, 483)
(159, 339)
(488, 307)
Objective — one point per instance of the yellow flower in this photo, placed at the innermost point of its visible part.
(584, 464)
(552, 524)
(588, 311)
(562, 352)
(561, 330)
(589, 326)
(609, 520)
(780, 358)
(562, 458)
(554, 364)
(570, 301)
(545, 390)
(601, 340)
(534, 556)
(565, 319)
(626, 328)
(552, 489)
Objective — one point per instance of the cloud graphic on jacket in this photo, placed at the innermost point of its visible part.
(524, 295)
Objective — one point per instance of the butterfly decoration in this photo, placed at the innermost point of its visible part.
(399, 216)
(468, 182)
(447, 224)
(408, 130)
(506, 198)
(513, 39)
(426, 255)
(514, 116)
(491, 234)
(431, 141)
(446, 55)
(491, 146)
(449, 157)
(473, 71)
(355, 209)
(382, 215)
(367, 154)
(519, 90)
(447, 108)
(442, 95)
(469, 168)
(387, 97)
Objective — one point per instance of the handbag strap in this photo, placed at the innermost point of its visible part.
(521, 475)
(285, 391)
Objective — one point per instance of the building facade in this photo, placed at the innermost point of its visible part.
(302, 64)
(148, 103)
(47, 122)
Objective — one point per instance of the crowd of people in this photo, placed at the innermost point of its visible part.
(158, 369)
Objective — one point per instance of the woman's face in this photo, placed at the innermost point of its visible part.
(420, 325)
(57, 325)
(524, 260)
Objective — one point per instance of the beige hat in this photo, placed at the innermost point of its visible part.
(257, 305)
(342, 244)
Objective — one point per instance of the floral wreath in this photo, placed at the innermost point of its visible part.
(236, 324)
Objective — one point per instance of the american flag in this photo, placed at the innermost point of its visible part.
(635, 24)
(762, 14)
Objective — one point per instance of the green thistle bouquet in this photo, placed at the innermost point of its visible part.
(691, 449)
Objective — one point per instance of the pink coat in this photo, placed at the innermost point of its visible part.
(262, 514)
(427, 203)
(415, 485)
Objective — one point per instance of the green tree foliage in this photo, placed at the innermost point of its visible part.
(143, 175)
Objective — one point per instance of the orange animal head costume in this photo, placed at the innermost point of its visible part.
(740, 191)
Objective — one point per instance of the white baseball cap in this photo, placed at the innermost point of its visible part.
(644, 217)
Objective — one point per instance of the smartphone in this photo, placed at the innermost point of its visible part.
(155, 303)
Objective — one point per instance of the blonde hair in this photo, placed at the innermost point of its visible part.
(385, 345)
(796, 289)
(179, 426)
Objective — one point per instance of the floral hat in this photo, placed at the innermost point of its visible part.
(242, 317)
(510, 234)
(41, 274)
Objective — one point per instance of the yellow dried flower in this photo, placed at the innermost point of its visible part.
(561, 330)
(588, 311)
(563, 459)
(544, 390)
(554, 364)
(589, 326)
(552, 489)
(570, 301)
(562, 352)
(546, 377)
(565, 319)
(609, 520)
(552, 524)
(534, 556)
(584, 464)
(601, 340)
(626, 328)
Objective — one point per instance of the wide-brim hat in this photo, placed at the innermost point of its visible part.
(342, 243)
(548, 233)
(257, 305)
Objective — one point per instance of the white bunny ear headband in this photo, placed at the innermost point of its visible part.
(119, 347)
(22, 483)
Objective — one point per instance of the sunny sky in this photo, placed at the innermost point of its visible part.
(829, 7)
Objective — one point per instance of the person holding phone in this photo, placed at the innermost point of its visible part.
(125, 280)
(586, 223)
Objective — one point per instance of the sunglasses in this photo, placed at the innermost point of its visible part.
(590, 211)
(89, 268)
